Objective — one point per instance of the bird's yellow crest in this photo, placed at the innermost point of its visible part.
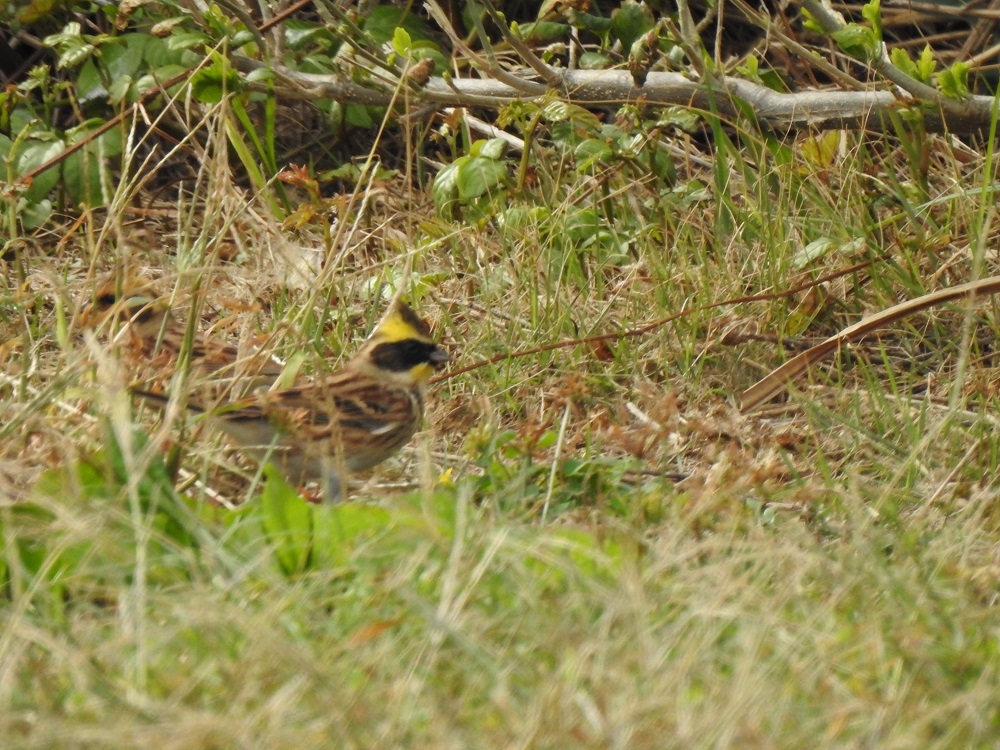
(401, 323)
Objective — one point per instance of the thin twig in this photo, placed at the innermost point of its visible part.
(765, 23)
(293, 8)
(482, 64)
(647, 327)
(549, 74)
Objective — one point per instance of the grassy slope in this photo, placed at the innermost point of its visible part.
(826, 576)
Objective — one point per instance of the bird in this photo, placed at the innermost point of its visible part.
(345, 422)
(158, 340)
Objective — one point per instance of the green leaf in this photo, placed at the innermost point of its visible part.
(594, 61)
(631, 21)
(156, 53)
(74, 53)
(321, 64)
(872, 12)
(260, 75)
(43, 550)
(584, 225)
(242, 37)
(821, 150)
(954, 82)
(69, 32)
(183, 39)
(359, 116)
(159, 76)
(445, 188)
(401, 42)
(478, 176)
(597, 558)
(125, 58)
(599, 25)
(287, 521)
(36, 154)
(901, 60)
(174, 544)
(385, 19)
(812, 252)
(809, 23)
(543, 32)
(494, 148)
(591, 151)
(577, 116)
(213, 82)
(89, 84)
(353, 173)
(119, 89)
(662, 165)
(299, 33)
(82, 178)
(922, 70)
(857, 41)
(238, 138)
(926, 64)
(35, 215)
(517, 218)
(773, 80)
(73, 47)
(682, 117)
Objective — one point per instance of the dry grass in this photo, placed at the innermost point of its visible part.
(824, 575)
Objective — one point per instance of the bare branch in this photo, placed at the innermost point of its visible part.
(813, 109)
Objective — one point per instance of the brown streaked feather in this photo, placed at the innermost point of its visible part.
(341, 408)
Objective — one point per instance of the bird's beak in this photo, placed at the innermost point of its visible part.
(439, 357)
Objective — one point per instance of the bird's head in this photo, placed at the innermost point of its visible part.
(401, 347)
